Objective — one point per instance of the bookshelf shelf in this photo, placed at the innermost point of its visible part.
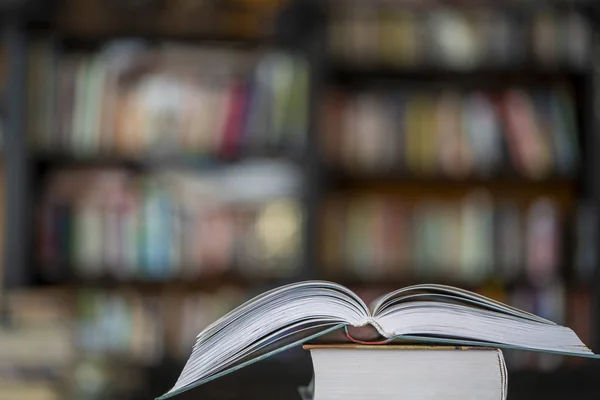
(53, 159)
(402, 280)
(203, 284)
(400, 177)
(84, 39)
(477, 77)
(564, 191)
(513, 6)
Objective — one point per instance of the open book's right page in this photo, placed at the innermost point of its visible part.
(442, 314)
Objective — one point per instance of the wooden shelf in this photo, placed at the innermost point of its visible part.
(514, 6)
(564, 191)
(398, 282)
(200, 283)
(481, 77)
(46, 159)
(403, 177)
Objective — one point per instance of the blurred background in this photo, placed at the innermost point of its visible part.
(163, 161)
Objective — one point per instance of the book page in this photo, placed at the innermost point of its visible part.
(444, 293)
(267, 324)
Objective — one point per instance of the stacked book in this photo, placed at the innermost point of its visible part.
(355, 371)
(468, 239)
(532, 133)
(405, 36)
(171, 224)
(421, 342)
(133, 100)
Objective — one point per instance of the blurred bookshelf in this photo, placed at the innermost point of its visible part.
(167, 160)
(423, 177)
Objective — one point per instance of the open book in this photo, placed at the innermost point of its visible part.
(294, 314)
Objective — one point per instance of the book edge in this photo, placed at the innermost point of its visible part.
(474, 343)
(249, 362)
(503, 374)
(396, 347)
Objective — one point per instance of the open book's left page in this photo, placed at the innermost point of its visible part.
(267, 324)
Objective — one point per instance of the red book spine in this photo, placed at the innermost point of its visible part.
(48, 235)
(513, 129)
(232, 131)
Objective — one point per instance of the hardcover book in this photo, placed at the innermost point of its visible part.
(352, 372)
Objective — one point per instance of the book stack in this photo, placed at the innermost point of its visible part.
(470, 239)
(130, 99)
(171, 224)
(529, 133)
(458, 336)
(405, 36)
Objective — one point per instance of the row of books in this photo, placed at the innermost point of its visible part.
(451, 133)
(131, 99)
(127, 324)
(42, 357)
(147, 328)
(399, 36)
(466, 240)
(170, 224)
(37, 348)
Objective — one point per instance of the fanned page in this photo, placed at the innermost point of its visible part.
(300, 312)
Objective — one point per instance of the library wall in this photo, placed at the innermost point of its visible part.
(179, 158)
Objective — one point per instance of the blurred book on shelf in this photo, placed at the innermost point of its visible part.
(3, 87)
(458, 36)
(470, 240)
(2, 227)
(51, 349)
(548, 301)
(419, 133)
(586, 237)
(580, 314)
(73, 344)
(37, 350)
(171, 225)
(146, 328)
(135, 100)
(29, 391)
(121, 325)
